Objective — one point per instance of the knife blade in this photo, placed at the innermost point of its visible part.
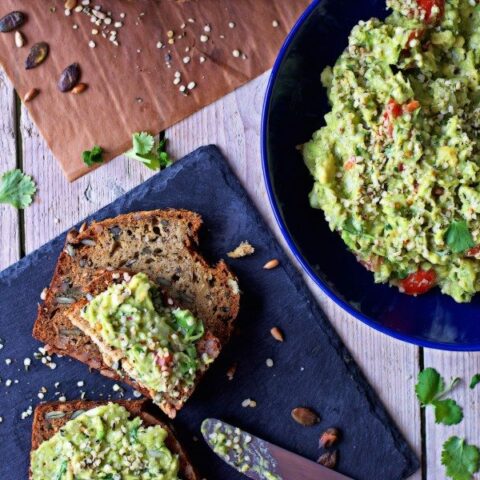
(259, 459)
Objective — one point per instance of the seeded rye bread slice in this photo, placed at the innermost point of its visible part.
(160, 243)
(115, 358)
(44, 427)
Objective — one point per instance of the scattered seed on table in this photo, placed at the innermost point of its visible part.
(118, 24)
(202, 59)
(274, 263)
(231, 24)
(19, 39)
(275, 24)
(236, 53)
(182, 88)
(186, 60)
(159, 44)
(269, 362)
(207, 28)
(92, 44)
(204, 38)
(191, 85)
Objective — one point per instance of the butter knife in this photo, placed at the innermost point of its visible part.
(259, 459)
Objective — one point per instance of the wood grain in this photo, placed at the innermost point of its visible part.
(9, 224)
(232, 123)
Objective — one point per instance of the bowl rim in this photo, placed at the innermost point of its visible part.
(284, 229)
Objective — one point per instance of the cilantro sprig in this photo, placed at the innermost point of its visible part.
(95, 155)
(459, 237)
(17, 189)
(144, 150)
(431, 390)
(475, 381)
(460, 459)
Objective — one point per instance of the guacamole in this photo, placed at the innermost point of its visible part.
(104, 444)
(158, 341)
(396, 167)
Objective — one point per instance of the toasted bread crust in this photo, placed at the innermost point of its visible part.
(43, 429)
(160, 243)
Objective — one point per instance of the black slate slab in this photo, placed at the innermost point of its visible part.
(311, 367)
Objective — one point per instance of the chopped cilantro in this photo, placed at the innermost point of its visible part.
(458, 237)
(475, 380)
(430, 390)
(461, 460)
(17, 189)
(93, 156)
(144, 150)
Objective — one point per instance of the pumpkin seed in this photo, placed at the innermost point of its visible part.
(65, 300)
(89, 297)
(88, 242)
(70, 250)
(305, 416)
(30, 95)
(38, 54)
(54, 414)
(69, 78)
(12, 21)
(76, 414)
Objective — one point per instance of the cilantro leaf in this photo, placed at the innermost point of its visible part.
(17, 189)
(458, 237)
(475, 379)
(143, 143)
(93, 156)
(461, 460)
(430, 386)
(447, 412)
(144, 151)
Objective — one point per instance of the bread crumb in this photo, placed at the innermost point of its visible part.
(243, 250)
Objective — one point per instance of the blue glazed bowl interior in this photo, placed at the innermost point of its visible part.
(294, 108)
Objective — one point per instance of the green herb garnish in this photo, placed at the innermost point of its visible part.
(62, 470)
(17, 189)
(145, 151)
(475, 380)
(430, 390)
(461, 460)
(458, 237)
(93, 156)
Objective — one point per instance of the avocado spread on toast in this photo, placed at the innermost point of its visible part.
(158, 342)
(104, 444)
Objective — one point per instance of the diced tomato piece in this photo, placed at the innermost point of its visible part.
(473, 252)
(164, 360)
(401, 167)
(412, 106)
(394, 109)
(428, 5)
(419, 282)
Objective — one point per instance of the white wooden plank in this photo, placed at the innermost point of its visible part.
(234, 125)
(9, 225)
(451, 365)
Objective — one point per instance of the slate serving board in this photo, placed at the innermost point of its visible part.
(311, 368)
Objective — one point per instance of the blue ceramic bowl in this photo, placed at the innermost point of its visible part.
(294, 108)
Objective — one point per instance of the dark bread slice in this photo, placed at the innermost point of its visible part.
(161, 243)
(44, 428)
(115, 359)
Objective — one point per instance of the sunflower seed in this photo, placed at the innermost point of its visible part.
(12, 21)
(19, 39)
(88, 242)
(69, 78)
(38, 54)
(70, 250)
(65, 300)
(54, 414)
(69, 332)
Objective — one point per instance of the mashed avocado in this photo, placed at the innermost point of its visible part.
(103, 444)
(396, 167)
(159, 342)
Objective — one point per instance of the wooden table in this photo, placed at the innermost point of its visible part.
(233, 123)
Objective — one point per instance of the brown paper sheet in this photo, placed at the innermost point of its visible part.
(131, 86)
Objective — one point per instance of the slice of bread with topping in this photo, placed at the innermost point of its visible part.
(162, 244)
(50, 417)
(116, 359)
